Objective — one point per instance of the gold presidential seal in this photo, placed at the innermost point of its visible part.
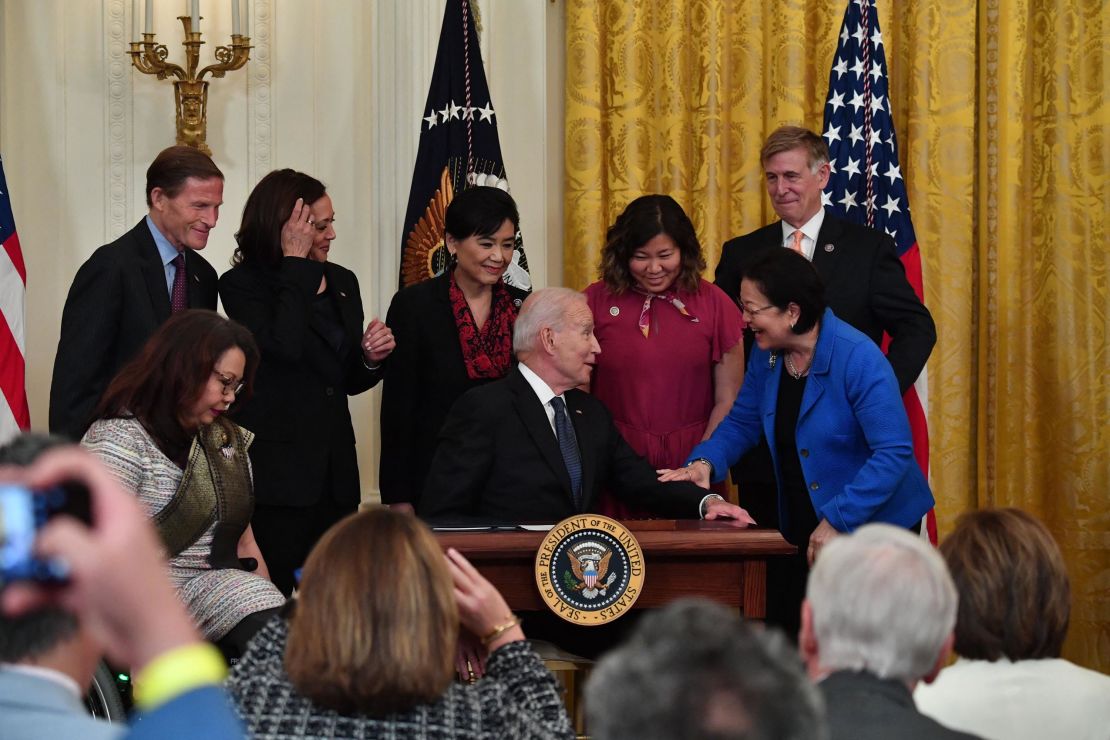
(589, 570)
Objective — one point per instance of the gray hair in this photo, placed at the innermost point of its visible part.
(696, 670)
(883, 602)
(545, 309)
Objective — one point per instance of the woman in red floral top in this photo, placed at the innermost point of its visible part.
(453, 332)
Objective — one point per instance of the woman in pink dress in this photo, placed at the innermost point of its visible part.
(671, 359)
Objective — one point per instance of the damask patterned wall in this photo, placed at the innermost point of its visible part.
(1004, 126)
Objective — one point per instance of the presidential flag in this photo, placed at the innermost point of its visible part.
(458, 149)
(866, 185)
(14, 413)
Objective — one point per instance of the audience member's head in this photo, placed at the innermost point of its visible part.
(554, 337)
(696, 670)
(51, 636)
(376, 622)
(879, 600)
(1015, 598)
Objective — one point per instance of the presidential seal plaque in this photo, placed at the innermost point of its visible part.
(589, 570)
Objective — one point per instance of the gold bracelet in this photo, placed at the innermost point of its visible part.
(500, 630)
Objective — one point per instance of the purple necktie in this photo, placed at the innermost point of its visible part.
(178, 299)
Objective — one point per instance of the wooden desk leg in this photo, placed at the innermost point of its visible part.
(754, 589)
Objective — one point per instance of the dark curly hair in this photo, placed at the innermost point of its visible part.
(642, 220)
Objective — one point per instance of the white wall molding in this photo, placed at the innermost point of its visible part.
(118, 153)
(260, 109)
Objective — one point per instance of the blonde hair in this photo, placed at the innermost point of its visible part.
(376, 625)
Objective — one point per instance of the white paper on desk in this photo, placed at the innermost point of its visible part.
(536, 527)
(463, 529)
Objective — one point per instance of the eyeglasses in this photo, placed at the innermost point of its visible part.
(750, 313)
(229, 384)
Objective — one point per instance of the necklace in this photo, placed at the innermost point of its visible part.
(794, 372)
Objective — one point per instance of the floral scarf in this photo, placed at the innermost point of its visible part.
(487, 352)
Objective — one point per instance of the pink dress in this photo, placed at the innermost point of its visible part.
(659, 388)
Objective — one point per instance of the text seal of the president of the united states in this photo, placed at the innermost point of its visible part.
(589, 569)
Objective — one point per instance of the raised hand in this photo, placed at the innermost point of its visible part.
(482, 608)
(297, 232)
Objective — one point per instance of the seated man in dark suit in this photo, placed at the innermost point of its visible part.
(533, 447)
(879, 616)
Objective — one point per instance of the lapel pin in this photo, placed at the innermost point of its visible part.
(829, 247)
(197, 278)
(578, 411)
(614, 311)
(342, 294)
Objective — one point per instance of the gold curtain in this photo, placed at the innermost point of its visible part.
(1003, 123)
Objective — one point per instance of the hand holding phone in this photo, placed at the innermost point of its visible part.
(23, 512)
(117, 582)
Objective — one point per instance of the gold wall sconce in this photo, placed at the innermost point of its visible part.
(190, 89)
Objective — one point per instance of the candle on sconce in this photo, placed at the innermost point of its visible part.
(149, 27)
(134, 20)
(246, 17)
(196, 15)
(234, 17)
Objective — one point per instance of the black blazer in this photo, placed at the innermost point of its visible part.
(498, 460)
(862, 706)
(305, 445)
(865, 285)
(117, 299)
(424, 377)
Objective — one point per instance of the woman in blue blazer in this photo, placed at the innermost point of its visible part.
(827, 401)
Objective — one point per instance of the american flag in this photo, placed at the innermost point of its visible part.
(866, 185)
(14, 414)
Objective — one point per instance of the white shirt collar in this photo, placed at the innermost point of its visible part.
(810, 230)
(46, 674)
(542, 389)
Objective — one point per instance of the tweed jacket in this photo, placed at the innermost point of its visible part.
(517, 698)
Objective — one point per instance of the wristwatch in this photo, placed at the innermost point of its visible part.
(702, 460)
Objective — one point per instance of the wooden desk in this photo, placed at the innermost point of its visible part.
(681, 558)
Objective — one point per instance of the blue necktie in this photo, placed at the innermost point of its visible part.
(568, 446)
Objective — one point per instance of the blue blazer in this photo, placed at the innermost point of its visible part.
(853, 437)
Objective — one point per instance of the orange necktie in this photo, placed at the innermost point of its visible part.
(797, 245)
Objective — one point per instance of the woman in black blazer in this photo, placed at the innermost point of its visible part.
(454, 332)
(306, 315)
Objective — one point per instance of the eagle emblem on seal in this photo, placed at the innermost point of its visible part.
(590, 566)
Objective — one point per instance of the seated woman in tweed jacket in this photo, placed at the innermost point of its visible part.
(162, 432)
(368, 648)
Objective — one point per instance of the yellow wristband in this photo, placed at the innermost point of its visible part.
(176, 672)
